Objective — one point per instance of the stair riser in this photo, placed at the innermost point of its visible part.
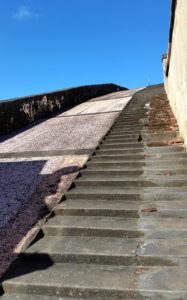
(125, 131)
(138, 152)
(92, 294)
(129, 184)
(132, 115)
(126, 172)
(120, 136)
(126, 260)
(122, 213)
(111, 172)
(121, 146)
(126, 127)
(126, 135)
(130, 197)
(115, 163)
(147, 158)
(133, 121)
(119, 152)
(121, 157)
(152, 164)
(122, 125)
(52, 231)
(120, 140)
(97, 212)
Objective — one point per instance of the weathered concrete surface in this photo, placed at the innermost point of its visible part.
(40, 162)
(16, 113)
(106, 282)
(175, 66)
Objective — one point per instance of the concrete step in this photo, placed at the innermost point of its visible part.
(119, 139)
(110, 251)
(119, 124)
(125, 135)
(164, 136)
(125, 131)
(115, 161)
(134, 119)
(121, 145)
(150, 173)
(165, 149)
(128, 127)
(119, 135)
(118, 151)
(36, 297)
(100, 282)
(140, 121)
(131, 120)
(132, 115)
(154, 228)
(122, 181)
(92, 226)
(124, 172)
(134, 194)
(120, 208)
(105, 157)
(137, 111)
(124, 127)
(146, 151)
(141, 156)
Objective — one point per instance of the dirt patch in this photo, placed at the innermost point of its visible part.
(161, 117)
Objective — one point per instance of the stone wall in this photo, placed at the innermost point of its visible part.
(175, 65)
(16, 113)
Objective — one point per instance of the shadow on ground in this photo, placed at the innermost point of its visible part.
(23, 194)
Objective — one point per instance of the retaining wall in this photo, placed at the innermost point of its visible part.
(16, 113)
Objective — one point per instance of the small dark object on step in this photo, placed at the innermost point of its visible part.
(139, 139)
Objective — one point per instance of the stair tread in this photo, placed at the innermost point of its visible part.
(109, 246)
(126, 190)
(122, 205)
(36, 297)
(114, 223)
(100, 279)
(146, 156)
(127, 179)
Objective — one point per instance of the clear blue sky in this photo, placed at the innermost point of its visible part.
(54, 44)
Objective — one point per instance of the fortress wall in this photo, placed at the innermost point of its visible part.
(16, 113)
(175, 66)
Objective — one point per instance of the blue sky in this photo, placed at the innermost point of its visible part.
(47, 45)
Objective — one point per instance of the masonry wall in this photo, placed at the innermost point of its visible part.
(19, 112)
(176, 79)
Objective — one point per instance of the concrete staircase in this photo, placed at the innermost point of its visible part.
(122, 231)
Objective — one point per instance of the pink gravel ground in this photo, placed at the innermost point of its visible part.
(44, 191)
(74, 132)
